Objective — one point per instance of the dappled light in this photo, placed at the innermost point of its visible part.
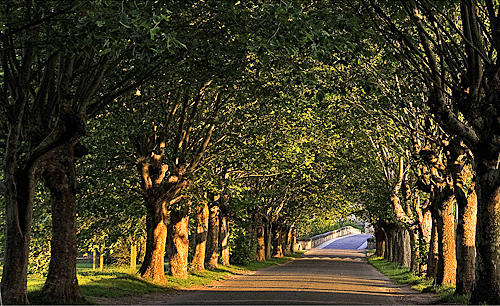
(152, 145)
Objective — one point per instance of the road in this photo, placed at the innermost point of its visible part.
(321, 276)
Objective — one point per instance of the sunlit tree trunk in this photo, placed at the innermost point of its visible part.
(465, 194)
(156, 224)
(224, 237)
(212, 255)
(201, 237)
(466, 244)
(277, 241)
(261, 244)
(179, 260)
(447, 264)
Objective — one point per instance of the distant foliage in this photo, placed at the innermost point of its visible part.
(41, 234)
(242, 245)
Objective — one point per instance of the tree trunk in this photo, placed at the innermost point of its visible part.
(153, 266)
(179, 260)
(464, 187)
(277, 244)
(380, 241)
(466, 241)
(433, 257)
(261, 245)
(61, 285)
(387, 244)
(398, 246)
(212, 255)
(201, 238)
(224, 236)
(169, 248)
(268, 240)
(287, 243)
(424, 238)
(405, 248)
(293, 239)
(101, 259)
(486, 287)
(415, 252)
(447, 264)
(19, 194)
(390, 245)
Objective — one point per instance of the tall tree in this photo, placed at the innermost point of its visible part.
(51, 77)
(451, 47)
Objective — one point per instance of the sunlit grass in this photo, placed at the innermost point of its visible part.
(401, 275)
(120, 281)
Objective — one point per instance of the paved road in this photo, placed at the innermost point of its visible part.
(322, 276)
(351, 242)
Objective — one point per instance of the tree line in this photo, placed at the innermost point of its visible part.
(199, 129)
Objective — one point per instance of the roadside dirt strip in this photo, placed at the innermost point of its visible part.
(322, 276)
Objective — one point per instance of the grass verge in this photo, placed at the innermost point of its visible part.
(401, 275)
(117, 281)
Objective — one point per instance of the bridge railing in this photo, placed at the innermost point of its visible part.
(309, 243)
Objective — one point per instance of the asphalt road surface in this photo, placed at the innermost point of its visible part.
(351, 242)
(321, 276)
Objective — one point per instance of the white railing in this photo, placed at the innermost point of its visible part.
(309, 243)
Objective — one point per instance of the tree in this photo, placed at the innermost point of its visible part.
(450, 47)
(55, 57)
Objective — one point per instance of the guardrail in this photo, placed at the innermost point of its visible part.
(309, 243)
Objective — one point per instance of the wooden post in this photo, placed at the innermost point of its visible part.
(93, 259)
(133, 256)
(101, 259)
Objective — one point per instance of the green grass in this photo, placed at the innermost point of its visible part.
(401, 275)
(116, 281)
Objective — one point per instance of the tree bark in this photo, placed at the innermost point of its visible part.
(261, 245)
(405, 248)
(61, 285)
(433, 257)
(415, 252)
(201, 237)
(19, 194)
(390, 245)
(179, 260)
(287, 241)
(277, 244)
(487, 282)
(224, 237)
(466, 245)
(212, 255)
(447, 264)
(268, 240)
(464, 187)
(153, 266)
(380, 241)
